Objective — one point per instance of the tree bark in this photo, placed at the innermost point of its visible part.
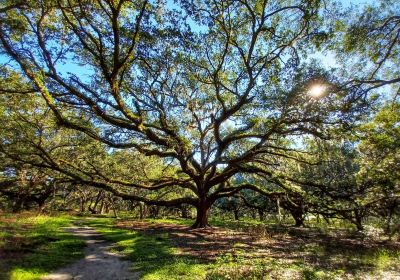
(202, 215)
(42, 205)
(142, 210)
(93, 209)
(83, 205)
(236, 214)
(102, 207)
(279, 210)
(154, 211)
(253, 214)
(298, 217)
(17, 205)
(114, 208)
(261, 215)
(358, 220)
(359, 226)
(299, 221)
(107, 207)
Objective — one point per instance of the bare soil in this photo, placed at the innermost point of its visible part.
(99, 262)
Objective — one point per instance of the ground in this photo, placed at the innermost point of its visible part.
(99, 262)
(31, 245)
(169, 249)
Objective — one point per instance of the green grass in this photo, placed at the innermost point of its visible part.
(152, 255)
(368, 265)
(242, 224)
(175, 221)
(382, 259)
(37, 246)
(335, 262)
(213, 221)
(46, 247)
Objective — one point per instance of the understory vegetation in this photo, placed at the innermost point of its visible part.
(32, 246)
(165, 249)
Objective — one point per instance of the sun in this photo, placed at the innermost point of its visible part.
(317, 90)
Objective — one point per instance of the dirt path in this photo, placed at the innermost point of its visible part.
(98, 263)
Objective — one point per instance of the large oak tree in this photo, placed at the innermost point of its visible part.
(213, 88)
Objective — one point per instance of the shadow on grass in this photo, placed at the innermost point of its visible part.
(156, 246)
(153, 255)
(36, 246)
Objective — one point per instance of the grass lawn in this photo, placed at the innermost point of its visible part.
(153, 254)
(32, 246)
(168, 249)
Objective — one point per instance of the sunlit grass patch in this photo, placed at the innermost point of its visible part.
(159, 251)
(40, 244)
(383, 259)
(151, 254)
(22, 274)
(182, 269)
(175, 221)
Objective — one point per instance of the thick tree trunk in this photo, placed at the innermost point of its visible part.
(299, 221)
(253, 214)
(42, 205)
(358, 223)
(298, 217)
(358, 220)
(17, 205)
(261, 215)
(202, 215)
(359, 226)
(236, 214)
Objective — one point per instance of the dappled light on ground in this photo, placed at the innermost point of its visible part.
(303, 250)
(31, 245)
(170, 249)
(98, 263)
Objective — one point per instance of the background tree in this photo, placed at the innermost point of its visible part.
(355, 176)
(380, 162)
(367, 45)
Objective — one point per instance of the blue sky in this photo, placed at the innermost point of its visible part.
(327, 59)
